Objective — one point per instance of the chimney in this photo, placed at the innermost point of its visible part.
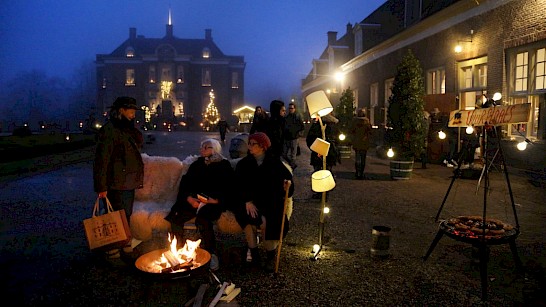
(169, 31)
(332, 37)
(208, 34)
(349, 28)
(132, 33)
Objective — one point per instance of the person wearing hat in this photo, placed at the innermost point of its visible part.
(264, 178)
(118, 168)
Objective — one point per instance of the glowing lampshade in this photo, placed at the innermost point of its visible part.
(322, 181)
(320, 146)
(318, 104)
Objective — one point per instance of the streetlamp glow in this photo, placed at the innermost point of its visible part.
(441, 135)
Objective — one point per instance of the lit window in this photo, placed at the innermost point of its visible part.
(522, 67)
(374, 101)
(234, 80)
(467, 77)
(129, 52)
(436, 81)
(130, 77)
(541, 69)
(206, 53)
(482, 75)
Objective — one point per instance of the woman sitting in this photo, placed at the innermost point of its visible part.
(202, 194)
(264, 178)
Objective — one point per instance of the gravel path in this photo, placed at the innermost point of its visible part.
(45, 259)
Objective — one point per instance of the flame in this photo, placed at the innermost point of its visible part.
(186, 254)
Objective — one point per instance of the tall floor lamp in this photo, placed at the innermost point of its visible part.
(322, 180)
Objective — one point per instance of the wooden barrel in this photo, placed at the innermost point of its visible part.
(401, 170)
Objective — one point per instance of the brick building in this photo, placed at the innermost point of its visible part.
(171, 78)
(503, 49)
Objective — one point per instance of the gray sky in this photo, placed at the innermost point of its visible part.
(278, 39)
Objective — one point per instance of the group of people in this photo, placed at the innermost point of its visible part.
(208, 188)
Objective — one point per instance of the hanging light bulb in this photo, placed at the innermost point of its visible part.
(522, 145)
(326, 210)
(342, 137)
(469, 130)
(316, 248)
(390, 153)
(442, 135)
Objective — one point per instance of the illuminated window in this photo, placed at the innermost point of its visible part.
(234, 80)
(180, 74)
(522, 68)
(436, 81)
(540, 75)
(388, 93)
(374, 101)
(205, 77)
(482, 75)
(130, 77)
(467, 77)
(129, 52)
(206, 53)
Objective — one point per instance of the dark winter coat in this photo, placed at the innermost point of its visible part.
(331, 136)
(293, 126)
(360, 131)
(264, 186)
(259, 123)
(213, 180)
(275, 128)
(118, 163)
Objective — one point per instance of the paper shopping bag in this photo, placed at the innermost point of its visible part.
(107, 231)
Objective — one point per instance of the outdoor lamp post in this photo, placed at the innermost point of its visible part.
(321, 181)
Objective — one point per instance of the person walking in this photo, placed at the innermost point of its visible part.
(360, 131)
(222, 128)
(292, 131)
(118, 168)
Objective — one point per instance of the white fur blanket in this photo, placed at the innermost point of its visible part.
(154, 201)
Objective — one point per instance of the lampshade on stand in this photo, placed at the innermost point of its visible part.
(320, 146)
(321, 181)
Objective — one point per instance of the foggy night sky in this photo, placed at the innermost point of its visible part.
(278, 39)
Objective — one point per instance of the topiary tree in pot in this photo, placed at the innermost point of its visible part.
(406, 110)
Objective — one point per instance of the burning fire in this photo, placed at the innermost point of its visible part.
(176, 260)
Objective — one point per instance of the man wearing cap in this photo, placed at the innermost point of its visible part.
(118, 168)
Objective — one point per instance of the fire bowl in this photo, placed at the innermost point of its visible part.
(143, 263)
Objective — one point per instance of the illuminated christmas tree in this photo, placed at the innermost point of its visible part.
(211, 115)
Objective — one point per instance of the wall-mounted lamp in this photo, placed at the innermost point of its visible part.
(459, 47)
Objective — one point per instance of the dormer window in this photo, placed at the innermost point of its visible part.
(129, 52)
(206, 53)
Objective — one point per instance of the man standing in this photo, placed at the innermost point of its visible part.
(292, 131)
(275, 127)
(222, 128)
(360, 132)
(118, 169)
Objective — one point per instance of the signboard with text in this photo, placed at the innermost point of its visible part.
(496, 115)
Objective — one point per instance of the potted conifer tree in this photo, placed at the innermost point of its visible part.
(344, 111)
(405, 116)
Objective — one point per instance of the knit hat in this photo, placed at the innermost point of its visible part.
(124, 102)
(261, 138)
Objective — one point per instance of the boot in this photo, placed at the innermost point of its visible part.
(270, 262)
(255, 256)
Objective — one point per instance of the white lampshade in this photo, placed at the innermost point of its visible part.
(318, 104)
(320, 146)
(322, 181)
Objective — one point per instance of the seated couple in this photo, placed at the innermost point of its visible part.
(208, 189)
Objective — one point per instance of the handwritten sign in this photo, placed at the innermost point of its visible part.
(496, 115)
